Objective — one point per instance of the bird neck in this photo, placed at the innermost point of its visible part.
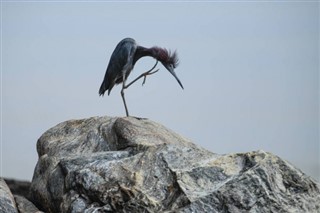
(155, 52)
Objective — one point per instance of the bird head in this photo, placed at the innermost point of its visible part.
(169, 60)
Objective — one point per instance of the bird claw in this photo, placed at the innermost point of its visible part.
(150, 72)
(146, 74)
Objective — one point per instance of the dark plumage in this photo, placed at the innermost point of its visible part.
(123, 59)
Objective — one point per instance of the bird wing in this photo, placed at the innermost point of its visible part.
(121, 63)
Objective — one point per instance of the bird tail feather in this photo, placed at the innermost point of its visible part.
(102, 89)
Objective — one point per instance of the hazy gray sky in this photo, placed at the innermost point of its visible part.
(250, 72)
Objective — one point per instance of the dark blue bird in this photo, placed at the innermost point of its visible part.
(123, 59)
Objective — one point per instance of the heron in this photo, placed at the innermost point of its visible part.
(122, 62)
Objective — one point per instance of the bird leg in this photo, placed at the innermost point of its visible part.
(124, 86)
(122, 95)
(145, 74)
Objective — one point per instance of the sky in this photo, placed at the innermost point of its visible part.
(250, 72)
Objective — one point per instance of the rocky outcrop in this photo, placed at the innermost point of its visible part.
(105, 164)
(18, 187)
(7, 203)
(25, 206)
(13, 197)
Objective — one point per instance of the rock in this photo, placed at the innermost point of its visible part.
(105, 164)
(7, 203)
(18, 187)
(25, 206)
(13, 195)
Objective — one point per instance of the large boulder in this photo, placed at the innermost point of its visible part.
(106, 164)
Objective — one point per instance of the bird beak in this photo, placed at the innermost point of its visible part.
(171, 70)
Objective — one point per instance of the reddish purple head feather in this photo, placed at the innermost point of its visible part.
(166, 56)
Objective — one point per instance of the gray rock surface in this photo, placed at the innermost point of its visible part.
(13, 195)
(105, 164)
(18, 187)
(7, 203)
(25, 206)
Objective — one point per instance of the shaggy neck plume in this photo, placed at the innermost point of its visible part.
(161, 54)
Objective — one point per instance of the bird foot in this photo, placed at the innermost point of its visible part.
(146, 74)
(139, 118)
